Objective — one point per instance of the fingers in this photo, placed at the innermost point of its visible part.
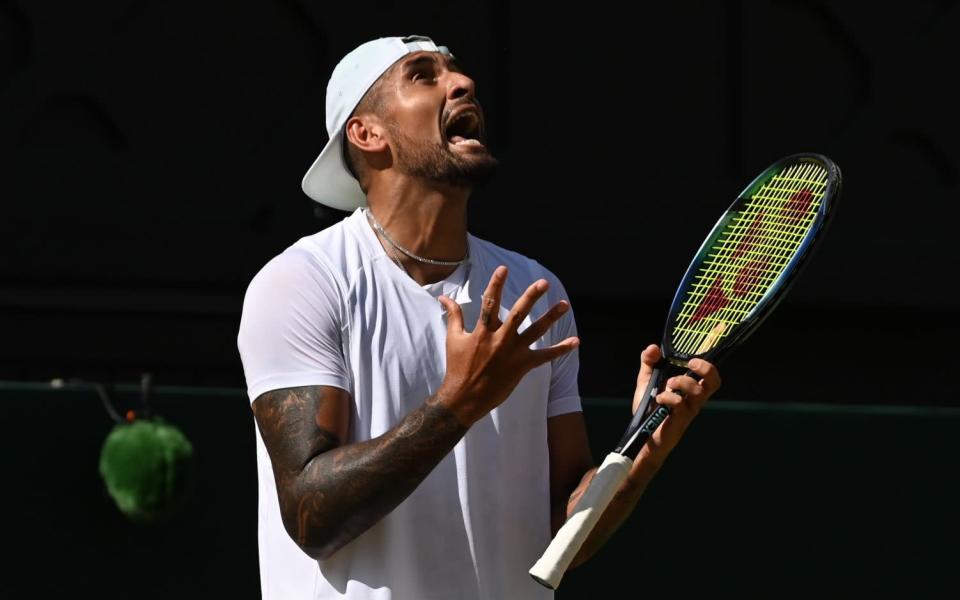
(454, 314)
(547, 354)
(710, 376)
(686, 391)
(490, 302)
(541, 325)
(684, 388)
(525, 304)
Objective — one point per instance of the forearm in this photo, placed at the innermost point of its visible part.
(342, 492)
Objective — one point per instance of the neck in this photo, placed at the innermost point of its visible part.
(427, 219)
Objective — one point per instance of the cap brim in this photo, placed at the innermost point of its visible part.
(329, 182)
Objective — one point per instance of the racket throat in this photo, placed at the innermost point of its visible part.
(630, 445)
(649, 414)
(629, 441)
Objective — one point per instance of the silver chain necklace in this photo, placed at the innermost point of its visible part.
(446, 263)
(396, 259)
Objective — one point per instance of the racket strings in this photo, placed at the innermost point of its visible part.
(766, 238)
(748, 256)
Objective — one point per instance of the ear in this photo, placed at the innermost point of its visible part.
(366, 133)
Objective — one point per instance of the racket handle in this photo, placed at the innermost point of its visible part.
(549, 570)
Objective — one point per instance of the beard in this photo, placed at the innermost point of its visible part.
(435, 161)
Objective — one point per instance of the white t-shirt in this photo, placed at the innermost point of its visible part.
(334, 309)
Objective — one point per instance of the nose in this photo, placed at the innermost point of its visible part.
(459, 86)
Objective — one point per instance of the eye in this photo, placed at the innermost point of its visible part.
(423, 74)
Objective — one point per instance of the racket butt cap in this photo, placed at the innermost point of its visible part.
(544, 582)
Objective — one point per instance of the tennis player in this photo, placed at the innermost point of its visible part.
(419, 428)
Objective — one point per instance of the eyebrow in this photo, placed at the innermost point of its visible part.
(452, 64)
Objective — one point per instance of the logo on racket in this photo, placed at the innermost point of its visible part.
(655, 419)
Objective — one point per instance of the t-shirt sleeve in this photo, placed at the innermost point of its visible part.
(564, 396)
(291, 326)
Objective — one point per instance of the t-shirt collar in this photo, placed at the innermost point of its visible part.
(461, 294)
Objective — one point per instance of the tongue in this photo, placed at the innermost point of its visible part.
(457, 138)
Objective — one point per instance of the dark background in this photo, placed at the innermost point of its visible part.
(150, 163)
(152, 156)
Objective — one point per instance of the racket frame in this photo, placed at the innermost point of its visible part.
(674, 362)
(550, 568)
(776, 292)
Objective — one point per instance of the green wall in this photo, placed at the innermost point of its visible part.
(758, 500)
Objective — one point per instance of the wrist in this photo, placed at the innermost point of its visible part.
(442, 421)
(457, 406)
(644, 469)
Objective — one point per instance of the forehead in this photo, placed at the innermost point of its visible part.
(426, 58)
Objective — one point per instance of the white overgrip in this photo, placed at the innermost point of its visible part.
(559, 554)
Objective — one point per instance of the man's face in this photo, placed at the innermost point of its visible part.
(435, 122)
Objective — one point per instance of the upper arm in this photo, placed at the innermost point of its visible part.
(570, 459)
(564, 393)
(568, 447)
(298, 424)
(298, 382)
(292, 327)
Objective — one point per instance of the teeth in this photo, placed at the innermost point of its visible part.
(470, 123)
(467, 141)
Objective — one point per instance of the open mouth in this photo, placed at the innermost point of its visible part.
(464, 129)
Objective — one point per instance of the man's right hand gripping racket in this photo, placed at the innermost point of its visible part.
(742, 270)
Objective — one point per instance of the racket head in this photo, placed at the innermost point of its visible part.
(751, 257)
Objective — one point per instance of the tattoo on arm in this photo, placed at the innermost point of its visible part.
(330, 493)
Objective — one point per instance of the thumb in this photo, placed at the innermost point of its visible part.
(648, 361)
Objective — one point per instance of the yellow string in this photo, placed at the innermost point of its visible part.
(753, 247)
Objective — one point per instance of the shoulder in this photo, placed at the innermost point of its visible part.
(298, 289)
(324, 258)
(293, 269)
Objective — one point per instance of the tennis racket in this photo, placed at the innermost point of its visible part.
(741, 272)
